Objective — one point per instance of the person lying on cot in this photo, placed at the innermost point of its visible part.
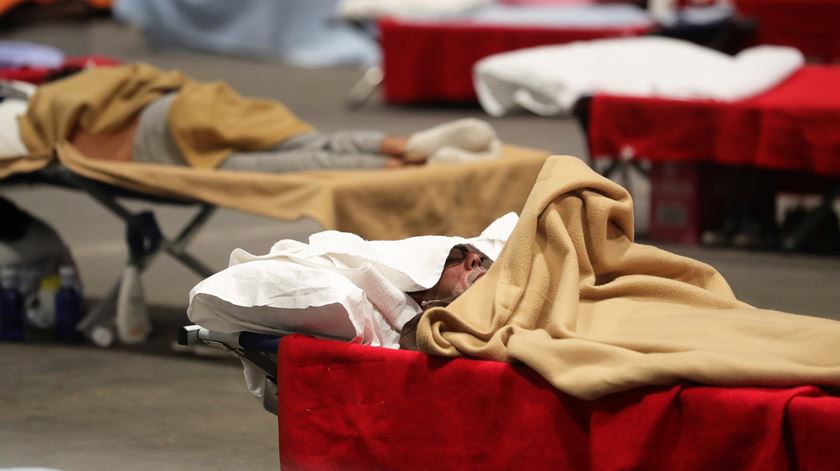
(140, 113)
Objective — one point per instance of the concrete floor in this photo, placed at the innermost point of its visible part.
(146, 407)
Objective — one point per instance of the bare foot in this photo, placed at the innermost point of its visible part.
(393, 145)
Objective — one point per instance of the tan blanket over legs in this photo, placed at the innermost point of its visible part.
(575, 298)
(446, 199)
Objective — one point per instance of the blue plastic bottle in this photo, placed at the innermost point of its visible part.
(11, 306)
(68, 305)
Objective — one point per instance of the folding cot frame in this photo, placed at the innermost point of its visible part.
(260, 350)
(246, 345)
(144, 238)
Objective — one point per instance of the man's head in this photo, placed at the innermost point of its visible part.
(464, 265)
(462, 268)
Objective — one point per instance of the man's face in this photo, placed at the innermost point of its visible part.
(463, 267)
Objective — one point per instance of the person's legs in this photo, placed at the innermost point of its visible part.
(300, 160)
(316, 151)
(461, 140)
(339, 142)
(469, 137)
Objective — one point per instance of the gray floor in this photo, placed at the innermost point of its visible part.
(146, 407)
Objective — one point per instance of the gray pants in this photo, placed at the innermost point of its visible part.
(340, 150)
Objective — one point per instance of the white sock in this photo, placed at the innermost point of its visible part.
(450, 155)
(470, 134)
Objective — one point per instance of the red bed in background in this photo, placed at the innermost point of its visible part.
(37, 75)
(808, 25)
(707, 155)
(432, 62)
(794, 126)
(343, 406)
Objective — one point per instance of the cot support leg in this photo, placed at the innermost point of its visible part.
(140, 226)
(145, 241)
(365, 87)
(177, 247)
(104, 309)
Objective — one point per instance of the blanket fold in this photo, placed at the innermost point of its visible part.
(576, 299)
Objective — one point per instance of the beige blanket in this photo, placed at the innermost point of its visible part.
(452, 199)
(575, 298)
(207, 120)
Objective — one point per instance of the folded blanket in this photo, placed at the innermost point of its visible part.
(576, 299)
(549, 80)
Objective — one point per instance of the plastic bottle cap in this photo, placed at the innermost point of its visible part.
(8, 277)
(102, 336)
(68, 276)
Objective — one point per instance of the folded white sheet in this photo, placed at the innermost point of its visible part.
(549, 80)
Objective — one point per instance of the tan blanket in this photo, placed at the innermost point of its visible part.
(207, 120)
(453, 199)
(575, 298)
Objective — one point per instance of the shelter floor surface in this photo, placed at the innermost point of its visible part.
(77, 407)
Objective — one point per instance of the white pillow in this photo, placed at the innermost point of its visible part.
(281, 296)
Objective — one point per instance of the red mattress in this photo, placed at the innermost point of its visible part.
(433, 61)
(812, 26)
(794, 126)
(347, 407)
(37, 75)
